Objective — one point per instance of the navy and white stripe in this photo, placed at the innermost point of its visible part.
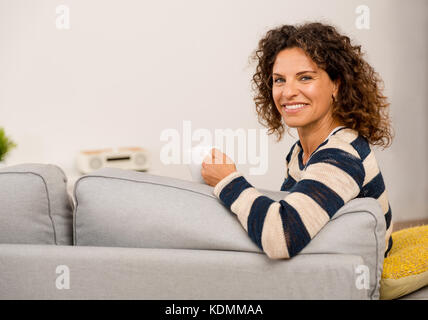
(342, 168)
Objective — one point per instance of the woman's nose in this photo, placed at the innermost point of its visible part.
(289, 90)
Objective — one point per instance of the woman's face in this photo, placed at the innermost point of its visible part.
(302, 92)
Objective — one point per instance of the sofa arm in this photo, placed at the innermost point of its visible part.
(35, 207)
(79, 272)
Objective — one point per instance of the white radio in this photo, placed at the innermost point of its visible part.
(132, 158)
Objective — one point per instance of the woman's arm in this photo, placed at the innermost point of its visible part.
(283, 228)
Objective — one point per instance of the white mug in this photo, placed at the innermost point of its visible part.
(196, 156)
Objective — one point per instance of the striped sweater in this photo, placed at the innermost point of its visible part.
(342, 168)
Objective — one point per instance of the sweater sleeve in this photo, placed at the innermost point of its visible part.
(283, 228)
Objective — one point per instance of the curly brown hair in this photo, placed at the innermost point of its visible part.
(360, 104)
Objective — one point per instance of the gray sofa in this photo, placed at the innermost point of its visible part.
(132, 235)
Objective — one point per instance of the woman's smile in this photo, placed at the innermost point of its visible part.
(293, 108)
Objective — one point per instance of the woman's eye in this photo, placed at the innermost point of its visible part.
(278, 80)
(305, 78)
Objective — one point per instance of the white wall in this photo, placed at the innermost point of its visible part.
(127, 70)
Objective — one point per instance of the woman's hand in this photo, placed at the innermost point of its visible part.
(216, 166)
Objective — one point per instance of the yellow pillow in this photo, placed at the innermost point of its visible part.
(406, 268)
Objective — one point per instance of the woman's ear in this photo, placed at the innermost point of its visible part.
(336, 86)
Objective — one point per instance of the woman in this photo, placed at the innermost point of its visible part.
(311, 78)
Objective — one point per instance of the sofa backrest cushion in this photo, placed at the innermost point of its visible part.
(121, 208)
(35, 207)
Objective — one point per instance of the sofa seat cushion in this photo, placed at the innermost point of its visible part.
(35, 207)
(83, 272)
(405, 270)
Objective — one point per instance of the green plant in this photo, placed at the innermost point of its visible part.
(6, 144)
